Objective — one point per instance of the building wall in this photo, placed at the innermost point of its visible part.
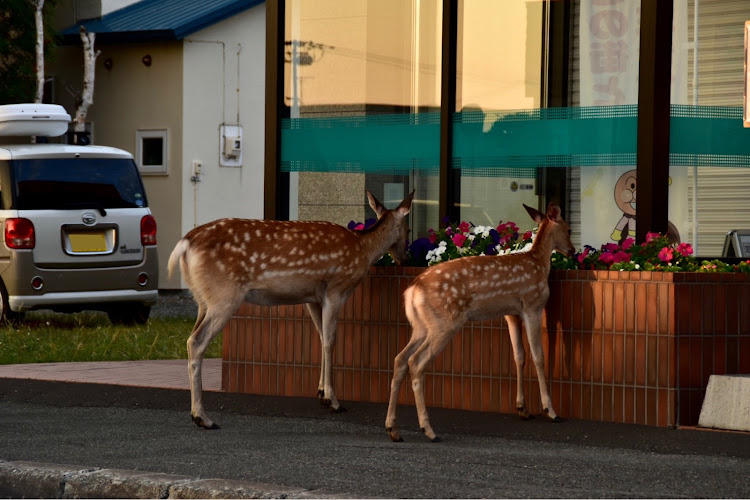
(224, 83)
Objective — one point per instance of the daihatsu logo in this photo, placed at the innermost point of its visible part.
(88, 218)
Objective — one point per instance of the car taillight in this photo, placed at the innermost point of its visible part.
(148, 230)
(19, 234)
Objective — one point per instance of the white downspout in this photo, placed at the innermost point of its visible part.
(695, 103)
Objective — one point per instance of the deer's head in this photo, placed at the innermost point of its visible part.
(398, 227)
(553, 224)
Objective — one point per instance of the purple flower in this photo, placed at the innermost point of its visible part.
(419, 248)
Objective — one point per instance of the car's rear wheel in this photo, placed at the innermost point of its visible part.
(129, 314)
(6, 315)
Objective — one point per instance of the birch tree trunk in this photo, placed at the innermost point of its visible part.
(87, 96)
(38, 6)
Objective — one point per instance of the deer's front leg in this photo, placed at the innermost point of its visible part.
(316, 313)
(330, 313)
(519, 356)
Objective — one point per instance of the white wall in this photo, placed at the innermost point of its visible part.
(214, 58)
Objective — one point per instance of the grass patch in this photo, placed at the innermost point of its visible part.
(47, 337)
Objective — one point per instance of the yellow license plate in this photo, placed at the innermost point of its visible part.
(87, 242)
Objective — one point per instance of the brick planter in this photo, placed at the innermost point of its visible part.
(633, 347)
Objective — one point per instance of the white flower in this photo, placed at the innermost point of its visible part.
(500, 250)
(484, 231)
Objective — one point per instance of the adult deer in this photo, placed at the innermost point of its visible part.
(319, 264)
(444, 297)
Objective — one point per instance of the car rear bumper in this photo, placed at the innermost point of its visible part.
(78, 286)
(22, 303)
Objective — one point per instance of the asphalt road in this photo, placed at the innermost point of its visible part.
(295, 442)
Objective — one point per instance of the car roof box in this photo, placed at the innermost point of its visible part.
(46, 120)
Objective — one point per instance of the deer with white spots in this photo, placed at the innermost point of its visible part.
(266, 262)
(444, 297)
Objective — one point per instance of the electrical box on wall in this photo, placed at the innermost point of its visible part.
(230, 146)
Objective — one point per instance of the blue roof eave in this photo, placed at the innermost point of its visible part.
(109, 28)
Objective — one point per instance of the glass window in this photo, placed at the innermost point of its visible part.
(67, 183)
(499, 68)
(708, 144)
(151, 151)
(362, 84)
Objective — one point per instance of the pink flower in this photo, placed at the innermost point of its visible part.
(433, 237)
(627, 243)
(448, 230)
(607, 258)
(527, 235)
(685, 249)
(621, 256)
(359, 227)
(651, 237)
(665, 255)
(610, 247)
(458, 239)
(464, 227)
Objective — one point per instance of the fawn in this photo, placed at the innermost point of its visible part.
(444, 297)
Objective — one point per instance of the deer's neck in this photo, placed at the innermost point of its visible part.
(376, 240)
(543, 246)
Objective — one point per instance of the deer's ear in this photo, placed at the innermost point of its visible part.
(535, 214)
(376, 206)
(553, 212)
(405, 205)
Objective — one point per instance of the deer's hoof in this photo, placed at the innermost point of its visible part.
(393, 434)
(325, 402)
(200, 423)
(556, 419)
(430, 435)
(524, 413)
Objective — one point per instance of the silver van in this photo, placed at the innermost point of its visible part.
(77, 230)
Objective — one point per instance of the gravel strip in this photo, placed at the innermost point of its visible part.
(175, 304)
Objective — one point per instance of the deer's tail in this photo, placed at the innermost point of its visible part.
(177, 255)
(414, 307)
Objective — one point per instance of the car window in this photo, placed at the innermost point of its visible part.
(67, 183)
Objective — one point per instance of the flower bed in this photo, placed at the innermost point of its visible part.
(620, 345)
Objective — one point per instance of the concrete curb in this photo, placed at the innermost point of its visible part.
(40, 480)
(727, 403)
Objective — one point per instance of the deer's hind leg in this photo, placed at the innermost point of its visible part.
(209, 323)
(433, 344)
(400, 367)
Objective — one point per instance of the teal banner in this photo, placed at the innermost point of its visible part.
(509, 143)
(394, 144)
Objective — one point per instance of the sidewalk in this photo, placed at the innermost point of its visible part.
(166, 374)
